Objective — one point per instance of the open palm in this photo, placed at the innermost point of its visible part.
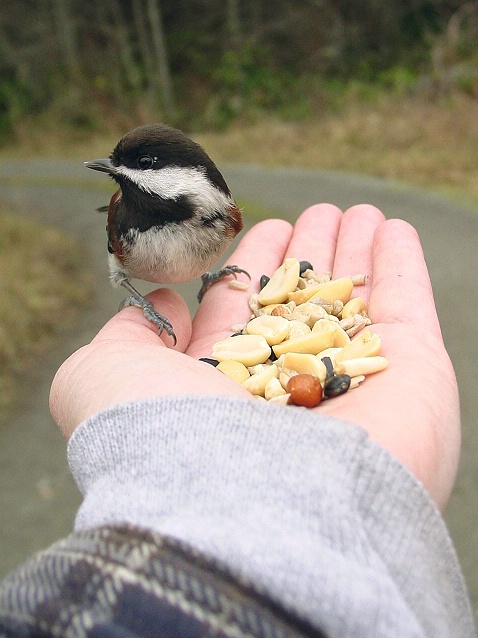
(411, 408)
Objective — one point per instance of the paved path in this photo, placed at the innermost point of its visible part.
(37, 496)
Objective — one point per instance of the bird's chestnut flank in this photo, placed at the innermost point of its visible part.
(172, 217)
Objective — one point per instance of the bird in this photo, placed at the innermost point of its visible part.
(172, 217)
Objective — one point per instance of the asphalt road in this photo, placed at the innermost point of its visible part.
(38, 498)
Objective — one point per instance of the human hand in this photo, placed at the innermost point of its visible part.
(411, 408)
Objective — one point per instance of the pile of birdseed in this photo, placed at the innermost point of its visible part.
(307, 339)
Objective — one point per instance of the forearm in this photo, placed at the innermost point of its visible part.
(308, 509)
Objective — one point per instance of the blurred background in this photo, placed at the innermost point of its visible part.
(298, 101)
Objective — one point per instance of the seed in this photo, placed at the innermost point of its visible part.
(341, 338)
(298, 329)
(355, 306)
(312, 311)
(305, 265)
(332, 308)
(356, 381)
(281, 310)
(283, 281)
(256, 384)
(337, 385)
(247, 349)
(312, 343)
(273, 329)
(301, 296)
(366, 365)
(329, 367)
(336, 289)
(304, 364)
(285, 376)
(280, 400)
(319, 278)
(234, 370)
(360, 323)
(254, 304)
(213, 362)
(305, 390)
(235, 284)
(359, 280)
(273, 389)
(347, 323)
(367, 344)
(263, 281)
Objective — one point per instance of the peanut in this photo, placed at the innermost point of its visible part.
(283, 281)
(247, 349)
(305, 390)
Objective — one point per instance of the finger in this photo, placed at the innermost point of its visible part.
(354, 253)
(315, 236)
(130, 324)
(260, 252)
(401, 289)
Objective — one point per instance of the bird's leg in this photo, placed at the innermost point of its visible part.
(210, 278)
(136, 299)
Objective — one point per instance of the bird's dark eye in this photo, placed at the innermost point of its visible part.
(145, 161)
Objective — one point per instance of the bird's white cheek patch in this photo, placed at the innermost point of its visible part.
(170, 182)
(173, 182)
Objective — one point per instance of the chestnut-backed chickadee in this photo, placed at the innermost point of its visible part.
(173, 216)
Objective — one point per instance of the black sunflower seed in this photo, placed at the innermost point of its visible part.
(337, 385)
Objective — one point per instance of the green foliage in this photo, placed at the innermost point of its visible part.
(93, 67)
(14, 102)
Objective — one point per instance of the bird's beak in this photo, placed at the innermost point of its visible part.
(104, 165)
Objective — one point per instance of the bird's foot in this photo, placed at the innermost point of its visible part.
(210, 278)
(137, 300)
(161, 322)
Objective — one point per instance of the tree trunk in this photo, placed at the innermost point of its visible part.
(66, 37)
(161, 55)
(124, 43)
(235, 47)
(143, 39)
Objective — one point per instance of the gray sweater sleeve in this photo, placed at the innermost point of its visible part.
(307, 507)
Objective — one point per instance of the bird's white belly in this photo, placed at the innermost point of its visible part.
(168, 255)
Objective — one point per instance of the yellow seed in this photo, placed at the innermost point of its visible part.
(355, 306)
(301, 296)
(312, 311)
(235, 284)
(298, 329)
(356, 381)
(282, 282)
(312, 343)
(304, 364)
(247, 349)
(367, 344)
(273, 329)
(283, 399)
(284, 377)
(273, 389)
(336, 289)
(234, 370)
(256, 384)
(365, 365)
(341, 338)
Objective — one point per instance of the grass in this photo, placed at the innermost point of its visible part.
(425, 144)
(42, 285)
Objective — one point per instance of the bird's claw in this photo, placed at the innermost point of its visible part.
(161, 322)
(210, 278)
